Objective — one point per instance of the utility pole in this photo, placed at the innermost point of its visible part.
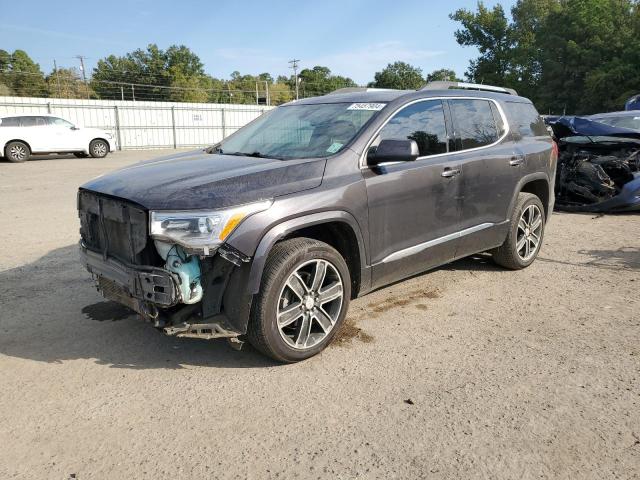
(84, 74)
(122, 92)
(55, 71)
(294, 65)
(266, 89)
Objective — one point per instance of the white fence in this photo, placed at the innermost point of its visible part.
(137, 125)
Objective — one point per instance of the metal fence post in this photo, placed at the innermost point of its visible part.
(224, 126)
(118, 136)
(49, 107)
(173, 126)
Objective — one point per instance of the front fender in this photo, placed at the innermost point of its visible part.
(285, 228)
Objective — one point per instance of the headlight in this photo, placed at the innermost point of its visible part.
(201, 230)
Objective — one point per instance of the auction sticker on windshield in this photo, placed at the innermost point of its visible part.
(367, 106)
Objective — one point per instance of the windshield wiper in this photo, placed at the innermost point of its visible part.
(249, 154)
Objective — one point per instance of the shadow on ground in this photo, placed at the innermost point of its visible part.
(53, 156)
(626, 258)
(52, 313)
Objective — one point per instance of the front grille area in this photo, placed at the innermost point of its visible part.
(115, 228)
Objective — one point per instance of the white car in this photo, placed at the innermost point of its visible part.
(24, 135)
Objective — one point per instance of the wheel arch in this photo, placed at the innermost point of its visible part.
(336, 228)
(537, 184)
(99, 138)
(4, 147)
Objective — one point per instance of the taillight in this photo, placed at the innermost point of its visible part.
(554, 150)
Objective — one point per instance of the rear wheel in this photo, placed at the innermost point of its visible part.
(526, 230)
(98, 148)
(17, 152)
(303, 300)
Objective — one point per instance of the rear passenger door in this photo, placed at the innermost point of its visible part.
(35, 131)
(488, 161)
(414, 208)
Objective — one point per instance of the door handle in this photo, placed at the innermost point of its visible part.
(516, 160)
(449, 172)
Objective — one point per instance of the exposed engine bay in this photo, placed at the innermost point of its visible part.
(598, 166)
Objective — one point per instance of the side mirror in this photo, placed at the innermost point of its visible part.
(394, 151)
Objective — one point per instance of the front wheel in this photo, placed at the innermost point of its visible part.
(526, 230)
(98, 148)
(17, 152)
(304, 297)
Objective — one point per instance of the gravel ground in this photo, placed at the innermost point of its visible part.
(466, 372)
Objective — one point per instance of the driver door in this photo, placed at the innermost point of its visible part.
(64, 135)
(414, 206)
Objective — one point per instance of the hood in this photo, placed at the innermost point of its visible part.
(200, 180)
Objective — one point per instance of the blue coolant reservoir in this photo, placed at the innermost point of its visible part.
(187, 267)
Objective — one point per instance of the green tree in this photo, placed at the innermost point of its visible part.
(578, 56)
(67, 83)
(319, 81)
(399, 75)
(22, 76)
(488, 30)
(442, 75)
(155, 68)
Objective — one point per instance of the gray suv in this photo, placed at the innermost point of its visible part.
(269, 234)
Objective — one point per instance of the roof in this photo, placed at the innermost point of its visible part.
(13, 115)
(622, 113)
(386, 96)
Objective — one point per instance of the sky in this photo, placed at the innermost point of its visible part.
(354, 38)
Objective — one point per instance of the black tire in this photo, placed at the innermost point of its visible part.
(507, 255)
(17, 152)
(98, 148)
(81, 154)
(286, 258)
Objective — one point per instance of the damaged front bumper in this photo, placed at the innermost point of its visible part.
(139, 284)
(155, 293)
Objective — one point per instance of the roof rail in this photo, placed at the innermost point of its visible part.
(358, 89)
(442, 85)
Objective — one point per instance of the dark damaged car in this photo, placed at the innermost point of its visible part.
(269, 234)
(598, 163)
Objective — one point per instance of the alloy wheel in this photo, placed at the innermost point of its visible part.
(18, 152)
(100, 149)
(529, 233)
(309, 304)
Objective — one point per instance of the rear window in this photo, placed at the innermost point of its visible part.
(474, 123)
(10, 122)
(526, 120)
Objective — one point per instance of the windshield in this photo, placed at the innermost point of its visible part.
(301, 131)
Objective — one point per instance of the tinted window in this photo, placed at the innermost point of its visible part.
(422, 122)
(474, 123)
(10, 122)
(526, 120)
(34, 121)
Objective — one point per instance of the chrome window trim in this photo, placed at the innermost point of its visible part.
(363, 155)
(406, 252)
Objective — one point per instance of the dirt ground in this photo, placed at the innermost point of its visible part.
(469, 371)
